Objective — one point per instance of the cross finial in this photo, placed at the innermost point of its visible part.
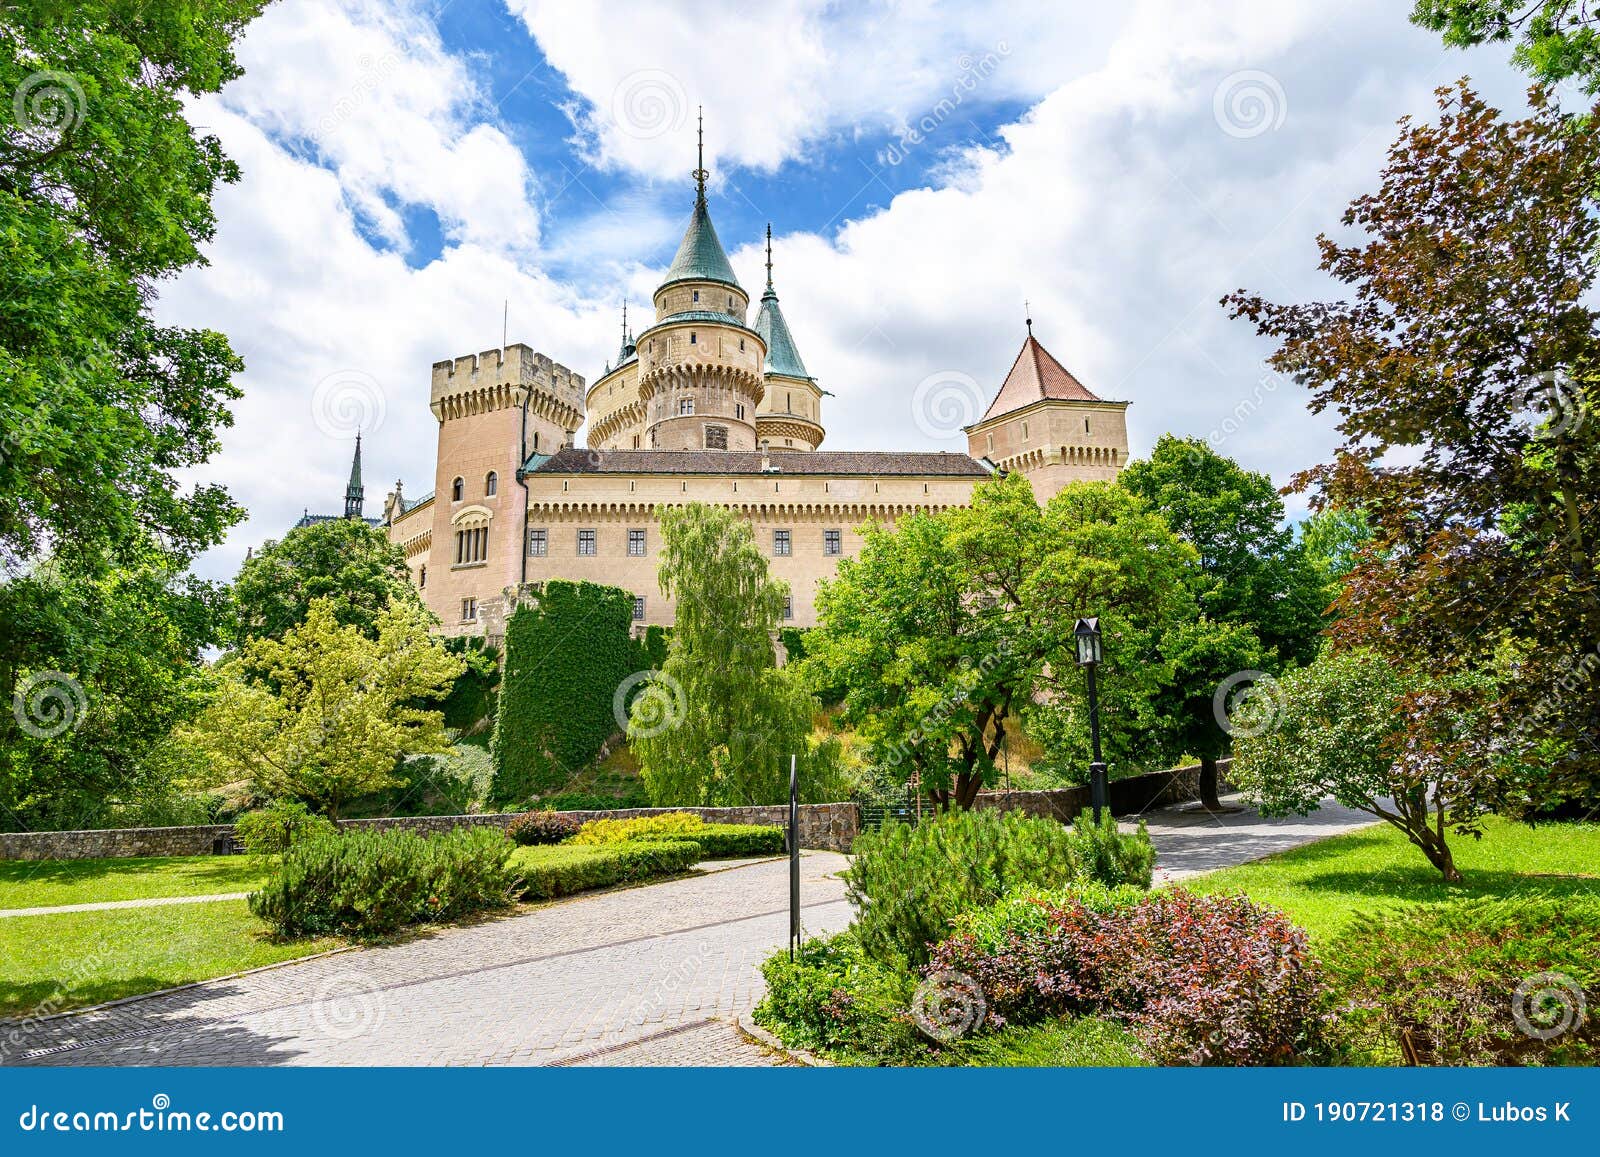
(1027, 316)
(700, 173)
(769, 254)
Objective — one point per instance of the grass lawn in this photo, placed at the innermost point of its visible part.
(45, 883)
(1323, 885)
(68, 960)
(1072, 1041)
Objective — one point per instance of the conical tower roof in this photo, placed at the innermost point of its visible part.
(782, 355)
(700, 255)
(1035, 376)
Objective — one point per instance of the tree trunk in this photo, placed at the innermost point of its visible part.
(1208, 784)
(1439, 855)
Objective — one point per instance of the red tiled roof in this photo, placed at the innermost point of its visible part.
(1034, 376)
(859, 463)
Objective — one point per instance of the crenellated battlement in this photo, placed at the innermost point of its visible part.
(497, 379)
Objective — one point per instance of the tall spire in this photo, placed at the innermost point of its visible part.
(700, 173)
(769, 256)
(782, 356)
(627, 348)
(354, 495)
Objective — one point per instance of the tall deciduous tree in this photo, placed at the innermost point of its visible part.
(324, 714)
(1555, 40)
(343, 560)
(1466, 373)
(717, 723)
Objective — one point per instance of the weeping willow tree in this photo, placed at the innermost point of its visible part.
(717, 724)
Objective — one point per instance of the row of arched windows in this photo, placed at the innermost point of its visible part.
(491, 486)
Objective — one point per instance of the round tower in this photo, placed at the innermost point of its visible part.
(700, 365)
(790, 414)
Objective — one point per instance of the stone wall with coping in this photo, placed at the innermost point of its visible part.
(1131, 796)
(824, 826)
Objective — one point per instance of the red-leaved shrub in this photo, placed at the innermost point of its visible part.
(1203, 980)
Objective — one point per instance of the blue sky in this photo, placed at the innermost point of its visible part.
(410, 167)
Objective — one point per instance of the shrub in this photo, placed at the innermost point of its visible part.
(272, 830)
(835, 997)
(1201, 979)
(548, 872)
(545, 827)
(723, 841)
(1437, 985)
(669, 824)
(371, 883)
(908, 884)
(587, 801)
(1110, 856)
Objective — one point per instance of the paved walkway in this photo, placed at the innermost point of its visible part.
(103, 905)
(642, 976)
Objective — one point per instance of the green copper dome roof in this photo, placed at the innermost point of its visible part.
(782, 356)
(700, 256)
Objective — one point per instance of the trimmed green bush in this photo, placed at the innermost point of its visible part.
(836, 998)
(272, 830)
(562, 869)
(726, 841)
(1440, 984)
(568, 650)
(542, 828)
(371, 883)
(909, 884)
(668, 825)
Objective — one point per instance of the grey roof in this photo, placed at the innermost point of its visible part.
(782, 356)
(309, 519)
(700, 256)
(835, 463)
(407, 505)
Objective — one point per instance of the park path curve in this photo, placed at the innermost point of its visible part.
(640, 976)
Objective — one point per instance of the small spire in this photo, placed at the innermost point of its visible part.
(1028, 318)
(769, 255)
(354, 493)
(624, 323)
(700, 173)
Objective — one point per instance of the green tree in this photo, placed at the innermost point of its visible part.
(1262, 596)
(1343, 727)
(326, 713)
(344, 561)
(950, 629)
(104, 668)
(717, 723)
(1555, 40)
(1465, 369)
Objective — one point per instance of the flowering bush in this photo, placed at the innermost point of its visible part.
(546, 827)
(1202, 979)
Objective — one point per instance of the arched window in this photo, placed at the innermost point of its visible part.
(422, 577)
(457, 489)
(491, 484)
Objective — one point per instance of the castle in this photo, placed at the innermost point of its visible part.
(701, 406)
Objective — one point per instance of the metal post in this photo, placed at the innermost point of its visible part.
(794, 858)
(1097, 769)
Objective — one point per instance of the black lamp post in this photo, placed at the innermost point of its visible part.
(1087, 636)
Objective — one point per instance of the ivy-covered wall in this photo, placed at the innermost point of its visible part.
(567, 651)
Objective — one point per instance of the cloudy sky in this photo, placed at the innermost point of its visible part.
(411, 167)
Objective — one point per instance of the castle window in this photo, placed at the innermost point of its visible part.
(832, 542)
(780, 543)
(457, 489)
(730, 301)
(691, 337)
(538, 541)
(636, 441)
(716, 437)
(685, 406)
(696, 294)
(741, 345)
(586, 543)
(788, 607)
(491, 485)
(638, 608)
(738, 410)
(1024, 431)
(636, 544)
(1086, 425)
(422, 578)
(469, 610)
(536, 441)
(990, 438)
(788, 401)
(472, 546)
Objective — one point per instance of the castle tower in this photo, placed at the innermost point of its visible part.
(498, 411)
(700, 366)
(1047, 424)
(354, 494)
(790, 414)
